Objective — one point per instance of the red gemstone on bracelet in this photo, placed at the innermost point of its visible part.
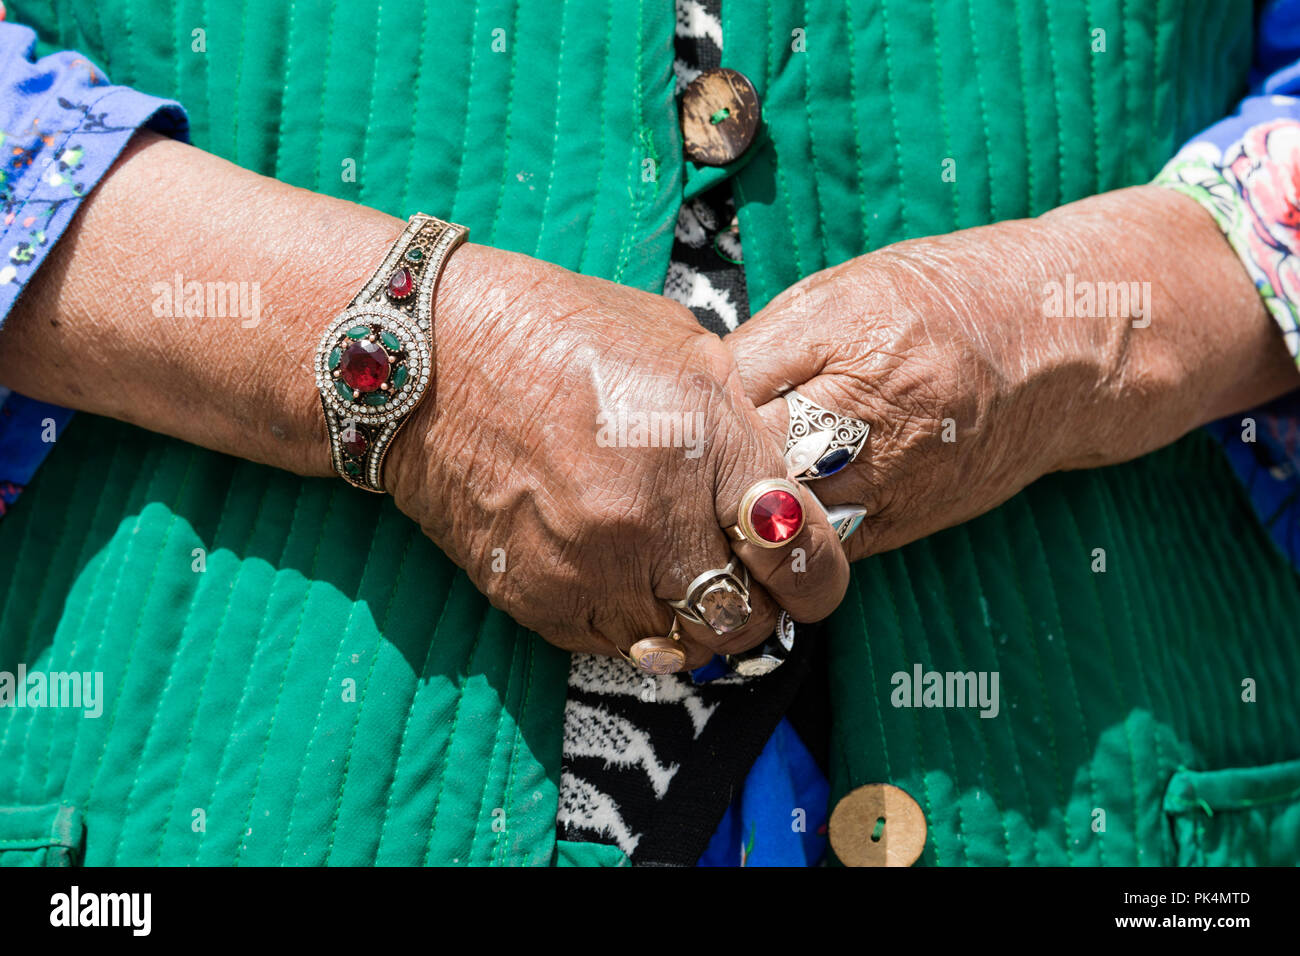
(356, 445)
(400, 283)
(776, 516)
(364, 365)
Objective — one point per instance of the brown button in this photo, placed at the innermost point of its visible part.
(877, 825)
(720, 115)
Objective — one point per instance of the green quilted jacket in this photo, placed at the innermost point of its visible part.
(302, 701)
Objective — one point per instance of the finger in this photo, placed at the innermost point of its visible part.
(808, 574)
(859, 482)
(763, 610)
(779, 348)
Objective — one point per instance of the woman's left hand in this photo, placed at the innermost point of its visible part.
(977, 379)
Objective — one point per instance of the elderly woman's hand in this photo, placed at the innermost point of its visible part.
(527, 471)
(567, 521)
(977, 377)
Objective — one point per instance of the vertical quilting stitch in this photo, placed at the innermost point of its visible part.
(981, 99)
(865, 244)
(451, 732)
(146, 471)
(82, 561)
(1045, 696)
(893, 119)
(1017, 765)
(944, 126)
(922, 776)
(958, 644)
(1059, 118)
(786, 198)
(1068, 511)
(945, 732)
(565, 8)
(638, 194)
(365, 686)
(325, 73)
(135, 635)
(1031, 207)
(419, 72)
(311, 583)
(158, 701)
(28, 642)
(239, 76)
(236, 481)
(525, 637)
(1069, 673)
(1094, 90)
(815, 170)
(261, 647)
(497, 738)
(289, 71)
(469, 101)
(600, 161)
(404, 736)
(513, 47)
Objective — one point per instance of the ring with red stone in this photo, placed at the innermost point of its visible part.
(659, 655)
(770, 514)
(718, 599)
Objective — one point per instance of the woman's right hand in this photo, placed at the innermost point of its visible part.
(513, 465)
(501, 462)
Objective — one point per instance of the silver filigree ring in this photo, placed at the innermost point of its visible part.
(818, 441)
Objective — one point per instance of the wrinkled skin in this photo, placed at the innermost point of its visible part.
(952, 329)
(503, 466)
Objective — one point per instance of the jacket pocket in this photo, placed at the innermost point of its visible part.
(50, 835)
(1237, 817)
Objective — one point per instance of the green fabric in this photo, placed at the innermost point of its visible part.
(226, 686)
(48, 835)
(1237, 816)
(1110, 682)
(568, 853)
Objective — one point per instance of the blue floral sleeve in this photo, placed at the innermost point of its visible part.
(1245, 170)
(61, 128)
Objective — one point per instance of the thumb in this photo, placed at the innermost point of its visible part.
(778, 348)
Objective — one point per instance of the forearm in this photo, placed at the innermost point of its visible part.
(1194, 344)
(85, 334)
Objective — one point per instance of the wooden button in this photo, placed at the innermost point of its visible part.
(720, 115)
(877, 825)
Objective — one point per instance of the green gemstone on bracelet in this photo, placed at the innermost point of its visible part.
(352, 467)
(376, 398)
(335, 355)
(414, 254)
(390, 341)
(344, 392)
(399, 376)
(358, 331)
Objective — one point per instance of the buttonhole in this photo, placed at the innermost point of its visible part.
(879, 831)
(719, 116)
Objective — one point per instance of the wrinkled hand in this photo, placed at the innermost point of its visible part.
(512, 466)
(972, 390)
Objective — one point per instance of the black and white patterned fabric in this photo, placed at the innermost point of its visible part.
(651, 763)
(706, 273)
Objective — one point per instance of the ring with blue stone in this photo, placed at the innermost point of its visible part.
(820, 442)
